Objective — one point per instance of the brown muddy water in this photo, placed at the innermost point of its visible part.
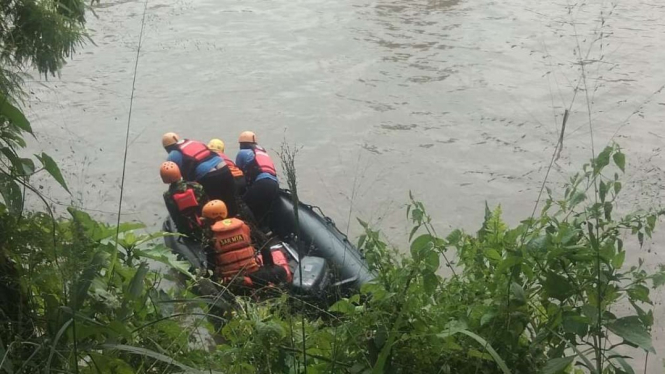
(459, 101)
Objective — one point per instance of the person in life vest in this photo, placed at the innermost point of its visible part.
(184, 201)
(232, 255)
(198, 163)
(217, 146)
(260, 174)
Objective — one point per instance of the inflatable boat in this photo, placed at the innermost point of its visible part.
(321, 258)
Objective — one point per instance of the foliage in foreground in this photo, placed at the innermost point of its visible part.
(538, 298)
(79, 296)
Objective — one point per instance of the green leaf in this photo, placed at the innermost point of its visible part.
(508, 263)
(658, 279)
(558, 286)
(602, 160)
(617, 187)
(84, 280)
(602, 191)
(109, 364)
(486, 318)
(493, 254)
(52, 167)
(432, 261)
(617, 261)
(136, 285)
(343, 306)
(639, 293)
(14, 115)
(27, 165)
(517, 293)
(575, 323)
(419, 244)
(577, 198)
(455, 236)
(651, 221)
(11, 194)
(607, 209)
(620, 359)
(632, 330)
(162, 254)
(430, 282)
(558, 365)
(590, 312)
(620, 160)
(413, 231)
(538, 244)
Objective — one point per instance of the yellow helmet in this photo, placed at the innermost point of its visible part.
(170, 172)
(247, 137)
(169, 139)
(216, 145)
(215, 209)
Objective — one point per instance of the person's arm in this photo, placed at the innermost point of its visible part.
(244, 157)
(175, 156)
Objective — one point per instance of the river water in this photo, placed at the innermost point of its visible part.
(459, 101)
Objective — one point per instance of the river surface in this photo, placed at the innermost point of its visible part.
(459, 101)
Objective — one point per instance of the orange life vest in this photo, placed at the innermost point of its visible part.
(235, 171)
(233, 248)
(193, 153)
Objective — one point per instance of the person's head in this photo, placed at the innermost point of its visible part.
(247, 139)
(169, 140)
(216, 145)
(170, 172)
(215, 210)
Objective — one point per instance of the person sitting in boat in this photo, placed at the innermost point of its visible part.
(217, 146)
(260, 174)
(198, 163)
(232, 255)
(184, 201)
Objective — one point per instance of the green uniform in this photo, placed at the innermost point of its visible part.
(186, 222)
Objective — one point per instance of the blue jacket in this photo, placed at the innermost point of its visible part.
(201, 169)
(244, 158)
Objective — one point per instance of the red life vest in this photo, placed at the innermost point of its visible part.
(262, 163)
(235, 171)
(193, 154)
(233, 248)
(185, 200)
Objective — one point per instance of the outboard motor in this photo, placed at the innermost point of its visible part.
(314, 280)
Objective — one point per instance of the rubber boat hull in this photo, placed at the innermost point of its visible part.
(313, 236)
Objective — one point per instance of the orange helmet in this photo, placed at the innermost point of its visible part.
(170, 172)
(215, 209)
(247, 137)
(170, 138)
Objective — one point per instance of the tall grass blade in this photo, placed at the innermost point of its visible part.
(499, 361)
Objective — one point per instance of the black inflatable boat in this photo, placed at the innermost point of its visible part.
(330, 263)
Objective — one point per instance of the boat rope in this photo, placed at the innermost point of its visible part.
(129, 122)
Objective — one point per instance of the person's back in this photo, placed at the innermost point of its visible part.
(261, 177)
(234, 256)
(184, 201)
(217, 146)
